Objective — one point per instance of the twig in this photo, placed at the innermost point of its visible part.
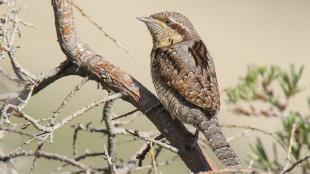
(8, 96)
(94, 154)
(89, 129)
(33, 121)
(141, 156)
(241, 135)
(20, 70)
(153, 160)
(296, 163)
(75, 135)
(86, 108)
(24, 144)
(17, 103)
(46, 155)
(67, 98)
(34, 162)
(103, 31)
(289, 153)
(165, 163)
(112, 167)
(136, 133)
(12, 130)
(5, 74)
(68, 118)
(256, 129)
(83, 156)
(63, 69)
(126, 114)
(130, 165)
(107, 115)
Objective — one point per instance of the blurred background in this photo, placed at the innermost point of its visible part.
(237, 33)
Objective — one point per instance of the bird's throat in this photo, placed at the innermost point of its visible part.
(167, 41)
(164, 36)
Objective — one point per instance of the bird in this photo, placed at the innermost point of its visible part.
(184, 77)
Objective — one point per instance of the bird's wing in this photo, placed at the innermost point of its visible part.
(190, 71)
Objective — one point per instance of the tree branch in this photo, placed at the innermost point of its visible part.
(114, 78)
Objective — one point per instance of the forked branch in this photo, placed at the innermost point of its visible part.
(113, 78)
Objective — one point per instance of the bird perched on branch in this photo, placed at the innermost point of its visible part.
(184, 77)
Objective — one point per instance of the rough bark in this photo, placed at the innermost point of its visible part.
(98, 68)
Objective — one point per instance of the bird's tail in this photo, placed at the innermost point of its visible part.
(212, 131)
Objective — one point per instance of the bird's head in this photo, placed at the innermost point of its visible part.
(168, 28)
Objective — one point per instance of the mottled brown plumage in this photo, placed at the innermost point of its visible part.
(184, 77)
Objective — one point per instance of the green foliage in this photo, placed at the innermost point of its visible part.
(256, 84)
(301, 139)
(289, 80)
(267, 84)
(300, 143)
(261, 157)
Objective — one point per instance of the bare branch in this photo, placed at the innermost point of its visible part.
(153, 160)
(165, 163)
(68, 118)
(84, 156)
(103, 31)
(145, 138)
(111, 130)
(12, 130)
(297, 163)
(46, 155)
(112, 168)
(18, 102)
(289, 153)
(5, 74)
(75, 135)
(19, 70)
(256, 129)
(126, 114)
(67, 99)
(34, 162)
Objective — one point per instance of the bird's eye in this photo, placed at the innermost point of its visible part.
(168, 21)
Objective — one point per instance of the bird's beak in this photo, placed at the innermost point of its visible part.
(146, 19)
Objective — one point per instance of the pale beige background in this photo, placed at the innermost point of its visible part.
(237, 33)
